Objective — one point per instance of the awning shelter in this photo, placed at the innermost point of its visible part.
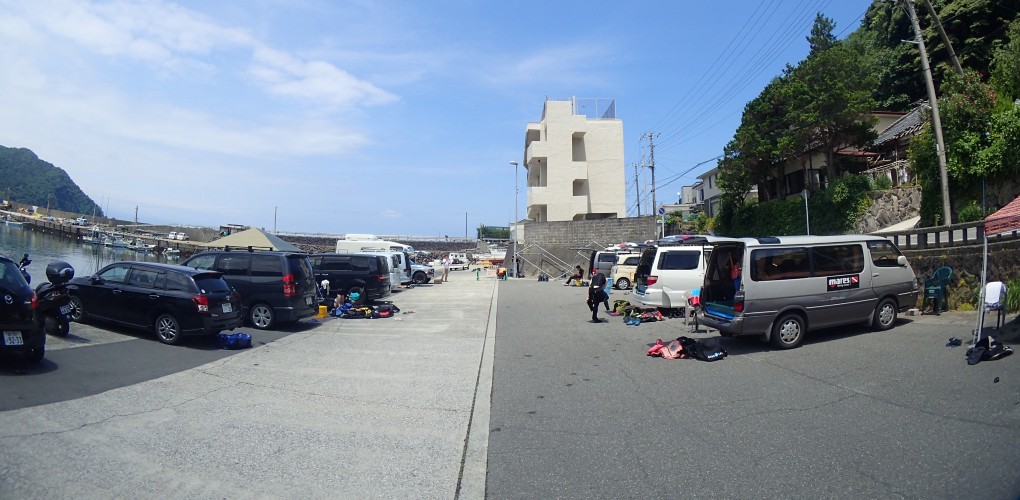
(255, 238)
(1002, 220)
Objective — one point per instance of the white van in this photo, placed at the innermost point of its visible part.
(400, 262)
(788, 285)
(671, 267)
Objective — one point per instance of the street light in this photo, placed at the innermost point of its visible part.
(513, 270)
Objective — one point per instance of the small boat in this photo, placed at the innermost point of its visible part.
(172, 252)
(117, 242)
(6, 219)
(140, 246)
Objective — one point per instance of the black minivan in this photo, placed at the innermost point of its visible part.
(275, 287)
(370, 272)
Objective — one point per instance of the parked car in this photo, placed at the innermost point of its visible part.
(344, 271)
(81, 221)
(788, 285)
(20, 332)
(623, 272)
(671, 268)
(602, 261)
(173, 301)
(275, 287)
(421, 273)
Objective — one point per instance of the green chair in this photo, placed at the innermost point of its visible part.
(936, 289)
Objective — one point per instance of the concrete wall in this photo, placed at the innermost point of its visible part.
(1003, 265)
(553, 247)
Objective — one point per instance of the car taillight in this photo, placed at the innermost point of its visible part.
(738, 302)
(289, 286)
(202, 302)
(651, 280)
(35, 301)
(381, 278)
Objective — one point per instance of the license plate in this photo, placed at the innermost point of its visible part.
(640, 289)
(13, 338)
(308, 301)
(65, 309)
(227, 308)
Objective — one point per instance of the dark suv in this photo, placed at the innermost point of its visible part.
(172, 300)
(275, 287)
(18, 330)
(344, 271)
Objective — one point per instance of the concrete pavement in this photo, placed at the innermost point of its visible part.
(385, 408)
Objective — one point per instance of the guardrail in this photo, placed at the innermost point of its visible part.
(969, 233)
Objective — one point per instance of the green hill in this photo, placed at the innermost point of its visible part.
(24, 178)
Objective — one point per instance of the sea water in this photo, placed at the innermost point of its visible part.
(86, 258)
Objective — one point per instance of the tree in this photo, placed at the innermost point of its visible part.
(831, 92)
(821, 37)
(1005, 66)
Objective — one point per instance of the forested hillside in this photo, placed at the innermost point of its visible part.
(24, 178)
(826, 103)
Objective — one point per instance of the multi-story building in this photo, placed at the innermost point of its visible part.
(574, 158)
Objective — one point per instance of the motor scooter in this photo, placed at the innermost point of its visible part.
(53, 314)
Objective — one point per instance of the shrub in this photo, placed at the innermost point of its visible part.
(882, 182)
(971, 213)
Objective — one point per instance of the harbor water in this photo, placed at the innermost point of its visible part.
(86, 258)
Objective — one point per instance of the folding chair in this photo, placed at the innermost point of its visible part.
(995, 300)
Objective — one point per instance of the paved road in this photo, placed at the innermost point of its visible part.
(400, 408)
(340, 409)
(580, 411)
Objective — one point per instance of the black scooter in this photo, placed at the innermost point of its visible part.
(53, 315)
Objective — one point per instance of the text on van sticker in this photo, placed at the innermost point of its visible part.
(843, 282)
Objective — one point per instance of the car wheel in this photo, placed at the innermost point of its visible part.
(168, 329)
(261, 316)
(885, 315)
(622, 284)
(788, 332)
(420, 277)
(35, 354)
(77, 309)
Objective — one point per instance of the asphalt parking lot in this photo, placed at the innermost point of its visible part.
(400, 407)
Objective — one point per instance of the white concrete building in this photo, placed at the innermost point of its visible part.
(574, 158)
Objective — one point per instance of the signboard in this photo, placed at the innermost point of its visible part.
(835, 283)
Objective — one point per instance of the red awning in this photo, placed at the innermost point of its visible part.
(1004, 219)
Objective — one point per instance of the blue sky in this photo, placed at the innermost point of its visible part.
(385, 117)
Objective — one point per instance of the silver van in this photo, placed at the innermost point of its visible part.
(671, 268)
(786, 285)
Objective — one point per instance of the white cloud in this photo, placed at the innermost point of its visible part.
(573, 64)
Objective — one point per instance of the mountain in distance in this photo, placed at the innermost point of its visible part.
(24, 178)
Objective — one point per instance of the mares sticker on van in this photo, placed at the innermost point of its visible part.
(843, 282)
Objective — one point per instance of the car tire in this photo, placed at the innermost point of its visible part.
(420, 278)
(261, 316)
(622, 284)
(885, 315)
(34, 355)
(168, 329)
(788, 332)
(78, 312)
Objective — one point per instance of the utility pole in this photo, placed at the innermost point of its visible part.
(274, 219)
(940, 145)
(136, 215)
(945, 38)
(651, 165)
(637, 189)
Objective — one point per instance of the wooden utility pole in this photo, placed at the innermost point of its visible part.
(940, 145)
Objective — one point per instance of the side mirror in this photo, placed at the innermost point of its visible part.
(902, 261)
(95, 280)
